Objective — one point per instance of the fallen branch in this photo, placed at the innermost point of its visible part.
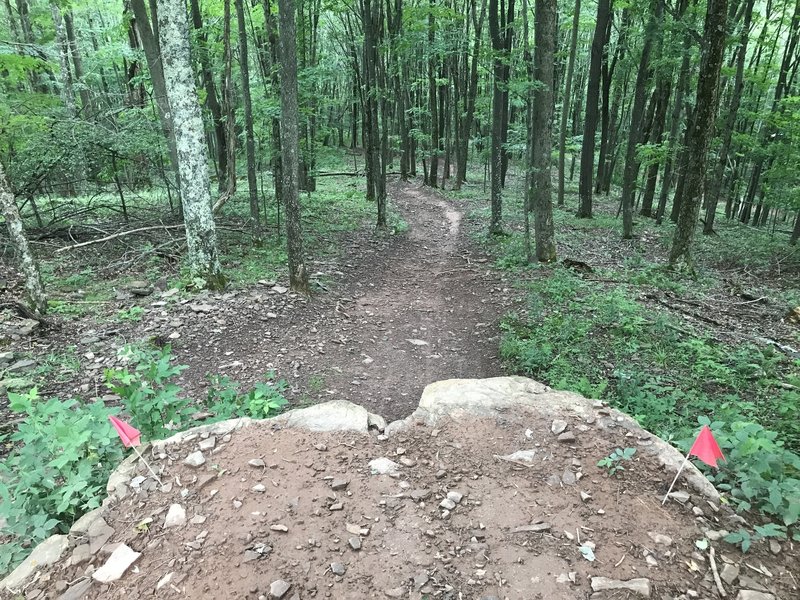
(25, 312)
(114, 236)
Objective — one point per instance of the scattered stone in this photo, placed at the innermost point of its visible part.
(355, 543)
(165, 580)
(569, 478)
(80, 555)
(419, 495)
(279, 289)
(651, 560)
(140, 288)
(570, 577)
(384, 466)
(525, 456)
(567, 437)
(729, 573)
(416, 342)
(279, 527)
(198, 519)
(21, 365)
(195, 459)
(99, 533)
(754, 595)
(260, 488)
(447, 504)
(116, 565)
(337, 568)
(585, 496)
(639, 586)
(535, 528)
(339, 484)
(46, 553)
(558, 426)
(420, 580)
(659, 538)
(680, 496)
(207, 444)
(356, 529)
(201, 308)
(176, 516)
(455, 497)
(279, 588)
(256, 462)
(407, 462)
(336, 506)
(774, 547)
(397, 592)
(77, 591)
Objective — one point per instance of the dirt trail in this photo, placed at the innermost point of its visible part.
(406, 310)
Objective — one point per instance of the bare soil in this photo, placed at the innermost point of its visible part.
(389, 537)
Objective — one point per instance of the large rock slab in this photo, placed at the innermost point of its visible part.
(45, 554)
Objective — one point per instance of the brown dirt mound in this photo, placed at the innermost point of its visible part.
(329, 528)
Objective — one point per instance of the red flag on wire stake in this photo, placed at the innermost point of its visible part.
(129, 435)
(705, 448)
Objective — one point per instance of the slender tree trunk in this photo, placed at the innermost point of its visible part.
(562, 134)
(67, 94)
(630, 175)
(433, 103)
(77, 63)
(659, 119)
(470, 95)
(703, 129)
(290, 146)
(34, 288)
(250, 142)
(543, 61)
(201, 237)
(590, 122)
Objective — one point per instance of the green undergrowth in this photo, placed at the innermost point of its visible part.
(597, 335)
(63, 451)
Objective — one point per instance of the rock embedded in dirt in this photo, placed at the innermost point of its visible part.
(116, 565)
(567, 437)
(80, 554)
(139, 288)
(207, 444)
(639, 586)
(419, 495)
(384, 466)
(201, 308)
(176, 516)
(339, 484)
(680, 496)
(46, 553)
(534, 528)
(279, 527)
(447, 504)
(660, 538)
(195, 459)
(355, 543)
(455, 496)
(278, 589)
(256, 462)
(754, 595)
(338, 568)
(259, 487)
(558, 426)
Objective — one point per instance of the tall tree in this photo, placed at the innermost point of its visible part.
(250, 141)
(565, 101)
(590, 119)
(201, 235)
(545, 24)
(290, 147)
(705, 110)
(34, 288)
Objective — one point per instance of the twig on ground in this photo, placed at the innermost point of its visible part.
(114, 236)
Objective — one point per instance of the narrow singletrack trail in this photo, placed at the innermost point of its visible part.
(407, 310)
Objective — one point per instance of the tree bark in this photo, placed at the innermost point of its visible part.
(34, 288)
(704, 114)
(201, 236)
(590, 121)
(543, 61)
(290, 148)
(562, 134)
(77, 63)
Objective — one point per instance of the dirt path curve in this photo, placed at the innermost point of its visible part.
(407, 310)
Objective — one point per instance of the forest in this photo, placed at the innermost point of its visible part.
(630, 169)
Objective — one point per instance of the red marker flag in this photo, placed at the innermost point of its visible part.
(127, 433)
(705, 448)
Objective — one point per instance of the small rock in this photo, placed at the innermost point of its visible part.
(116, 565)
(455, 497)
(525, 456)
(680, 496)
(195, 459)
(416, 342)
(355, 543)
(259, 487)
(568, 477)
(201, 308)
(165, 580)
(558, 426)
(80, 555)
(639, 586)
(535, 528)
(566, 437)
(279, 527)
(337, 568)
(570, 577)
(207, 444)
(279, 588)
(774, 547)
(397, 592)
(420, 580)
(754, 595)
(176, 516)
(256, 462)
(419, 495)
(585, 496)
(339, 484)
(139, 288)
(279, 289)
(198, 519)
(659, 538)
(729, 573)
(383, 466)
(651, 560)
(447, 504)
(336, 506)
(407, 462)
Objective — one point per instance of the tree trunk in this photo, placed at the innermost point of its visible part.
(545, 27)
(705, 111)
(290, 146)
(77, 63)
(34, 288)
(212, 101)
(590, 121)
(250, 142)
(630, 175)
(663, 88)
(201, 237)
(67, 94)
(562, 134)
(433, 103)
(470, 95)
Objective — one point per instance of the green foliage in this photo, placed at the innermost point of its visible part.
(132, 314)
(63, 452)
(225, 400)
(149, 396)
(613, 462)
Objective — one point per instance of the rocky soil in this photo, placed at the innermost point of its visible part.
(507, 503)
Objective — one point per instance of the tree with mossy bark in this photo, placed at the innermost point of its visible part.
(34, 288)
(201, 235)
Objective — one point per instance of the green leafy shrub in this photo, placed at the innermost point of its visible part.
(63, 453)
(613, 462)
(153, 401)
(225, 400)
